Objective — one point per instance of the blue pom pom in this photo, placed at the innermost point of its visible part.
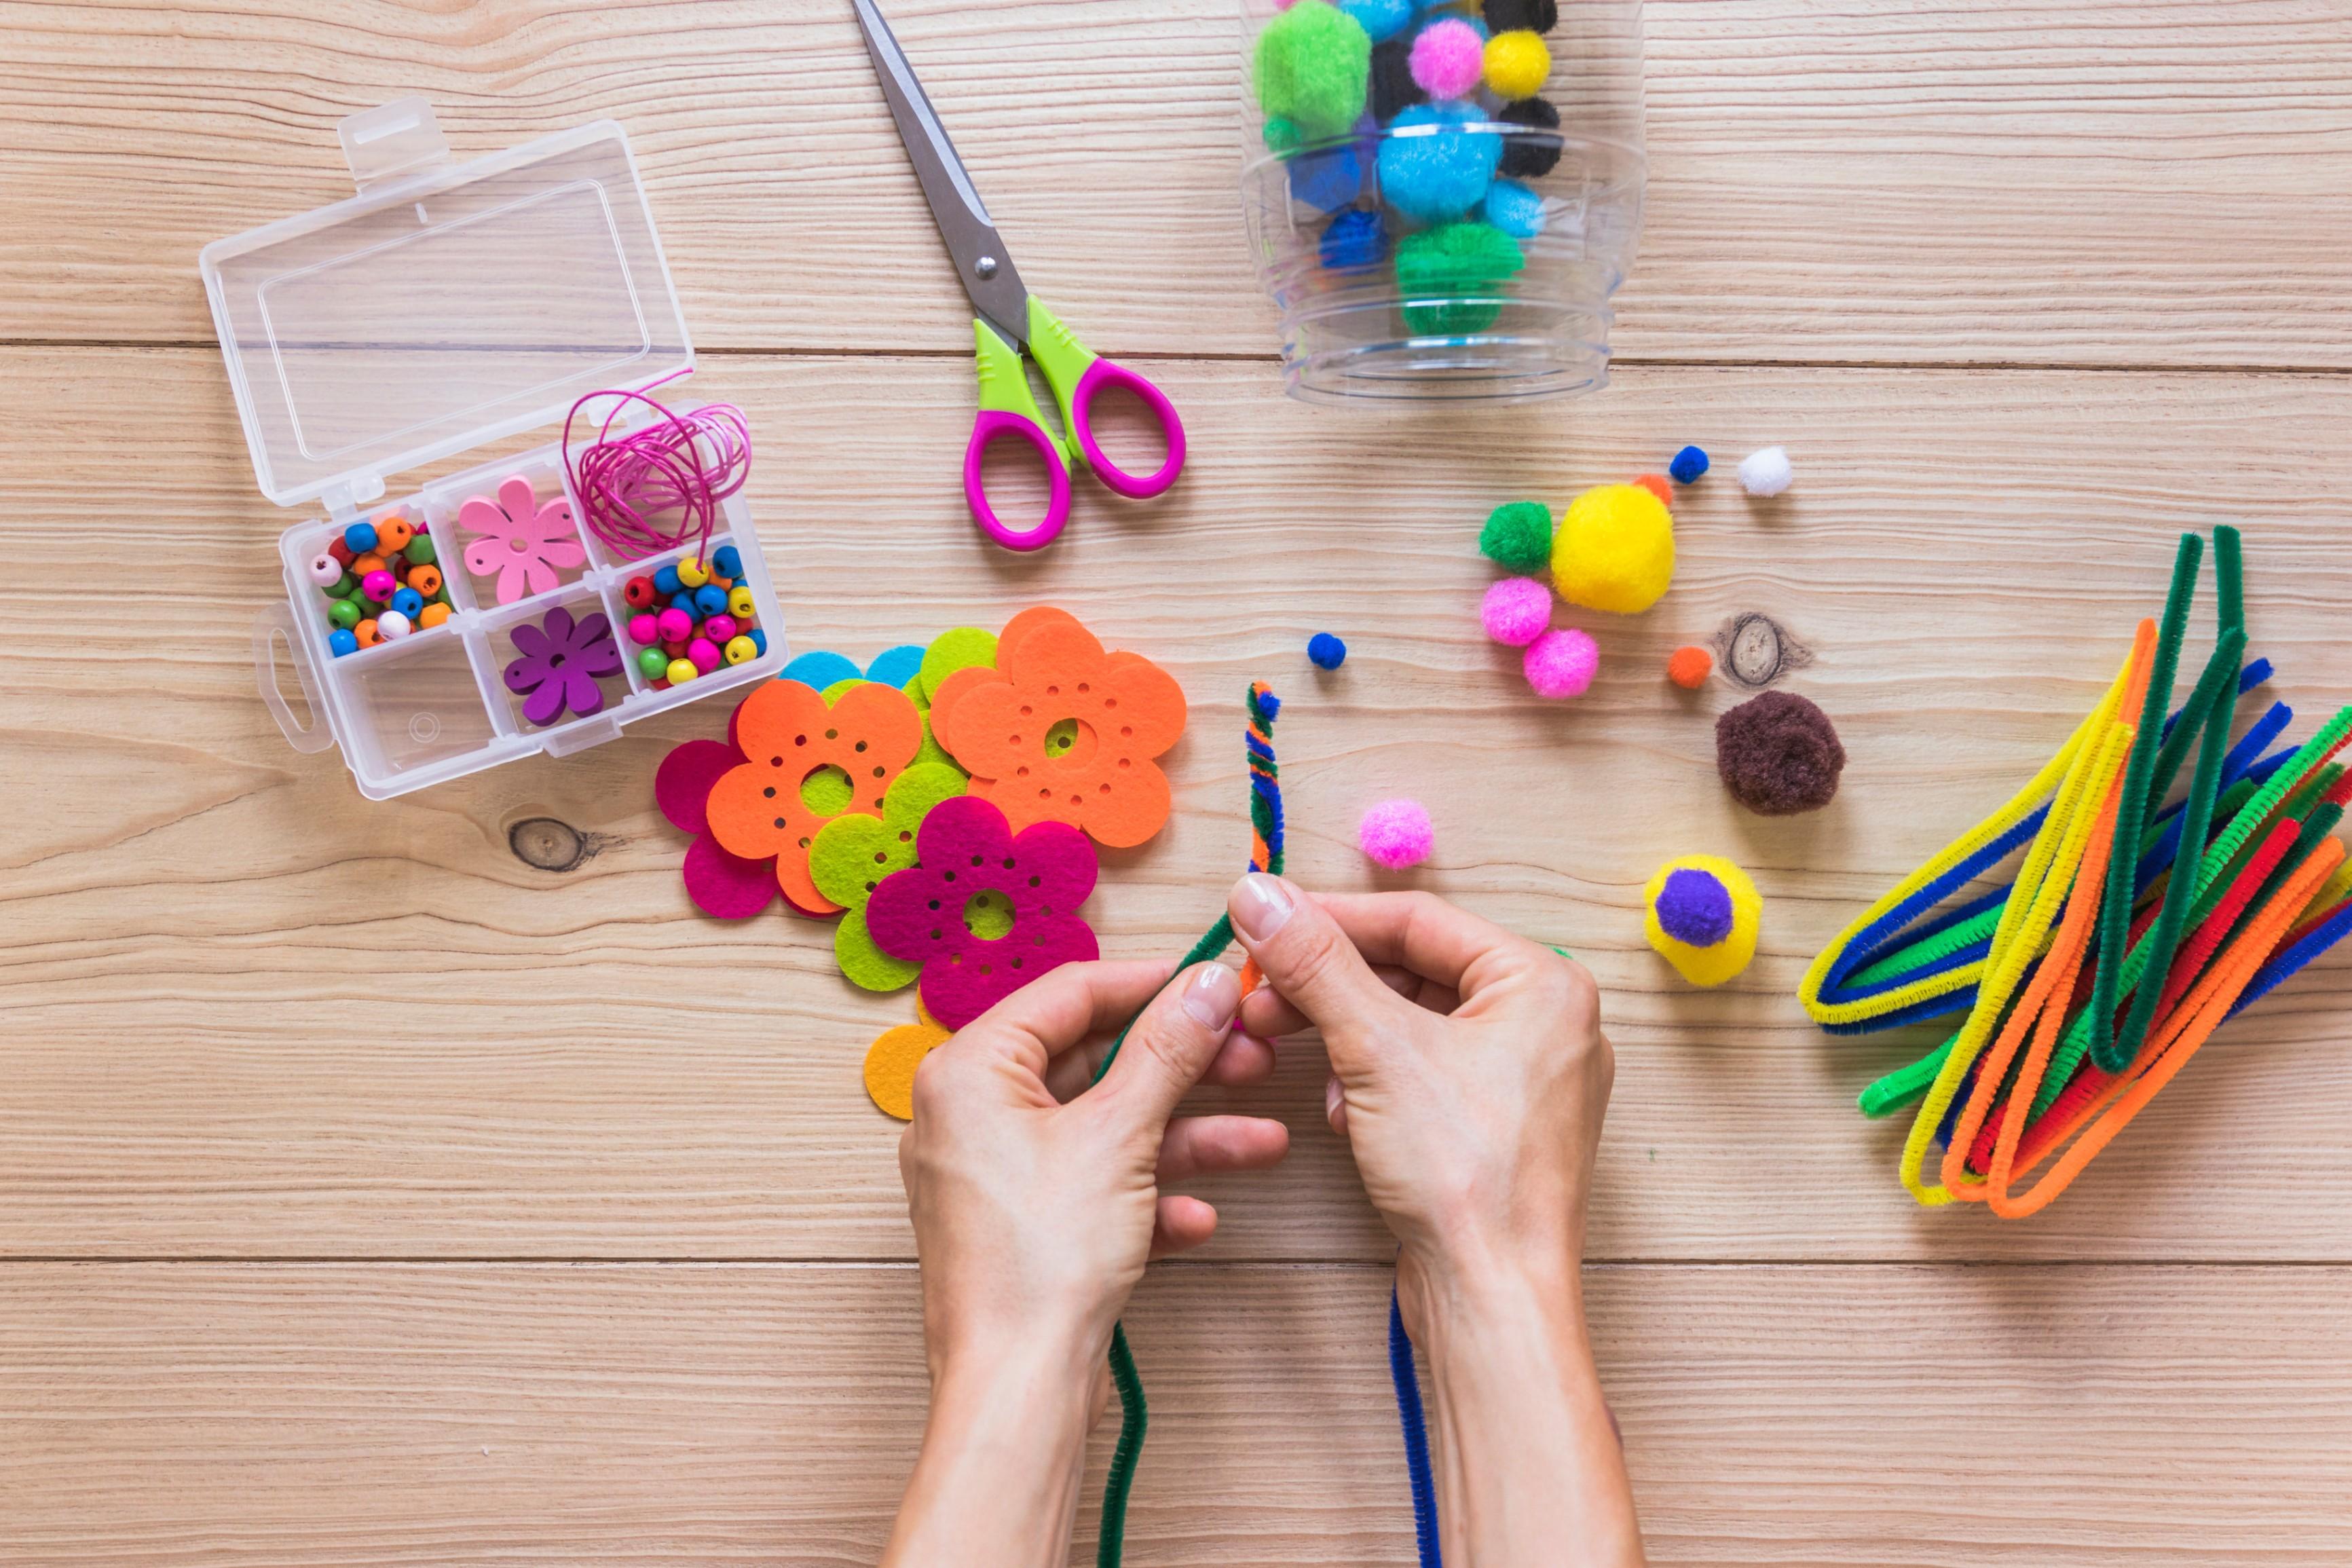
(817, 669)
(1355, 238)
(896, 666)
(1689, 466)
(1329, 179)
(729, 560)
(1328, 651)
(1694, 908)
(1380, 18)
(1435, 172)
(343, 640)
(1515, 208)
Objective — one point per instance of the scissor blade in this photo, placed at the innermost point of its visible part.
(986, 272)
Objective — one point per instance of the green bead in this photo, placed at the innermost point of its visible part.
(344, 613)
(652, 663)
(344, 588)
(420, 551)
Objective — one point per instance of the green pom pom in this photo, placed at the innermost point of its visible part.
(1313, 67)
(1281, 135)
(1456, 256)
(1519, 535)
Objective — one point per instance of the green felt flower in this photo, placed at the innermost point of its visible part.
(852, 853)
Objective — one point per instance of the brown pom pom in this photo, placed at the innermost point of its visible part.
(1779, 754)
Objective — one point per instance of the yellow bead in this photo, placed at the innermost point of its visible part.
(1517, 64)
(682, 671)
(742, 650)
(692, 573)
(739, 604)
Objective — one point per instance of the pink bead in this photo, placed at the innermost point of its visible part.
(1448, 58)
(720, 630)
(325, 570)
(704, 654)
(645, 630)
(1397, 834)
(1562, 663)
(675, 624)
(1516, 611)
(379, 585)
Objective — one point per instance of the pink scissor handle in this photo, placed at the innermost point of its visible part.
(1102, 374)
(992, 425)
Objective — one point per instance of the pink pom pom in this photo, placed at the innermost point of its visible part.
(1396, 834)
(1562, 663)
(1448, 58)
(1516, 611)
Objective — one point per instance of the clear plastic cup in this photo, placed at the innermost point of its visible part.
(1446, 244)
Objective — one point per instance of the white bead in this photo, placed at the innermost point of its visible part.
(1768, 472)
(325, 570)
(392, 624)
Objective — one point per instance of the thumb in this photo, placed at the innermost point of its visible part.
(1168, 1048)
(1307, 958)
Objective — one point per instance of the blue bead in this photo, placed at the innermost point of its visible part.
(759, 641)
(360, 538)
(343, 640)
(1353, 240)
(711, 599)
(729, 560)
(666, 581)
(409, 603)
(1328, 651)
(1515, 208)
(1688, 467)
(684, 600)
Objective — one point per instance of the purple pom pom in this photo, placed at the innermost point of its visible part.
(1695, 907)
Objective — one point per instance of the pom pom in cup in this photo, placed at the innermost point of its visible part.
(1515, 142)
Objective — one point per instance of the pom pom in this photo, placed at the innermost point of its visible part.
(1517, 535)
(1379, 19)
(1530, 154)
(1328, 179)
(1688, 668)
(1393, 88)
(1779, 754)
(1704, 916)
(1657, 485)
(1311, 66)
(1448, 276)
(1430, 169)
(1561, 663)
(1355, 238)
(1515, 208)
(1522, 15)
(1396, 834)
(1448, 58)
(1281, 135)
(1326, 651)
(1767, 473)
(1516, 611)
(1689, 467)
(1517, 65)
(1615, 551)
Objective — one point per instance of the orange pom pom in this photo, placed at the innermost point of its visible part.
(1689, 668)
(1658, 486)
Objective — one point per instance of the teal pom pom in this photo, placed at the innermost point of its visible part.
(1379, 19)
(1433, 171)
(1515, 208)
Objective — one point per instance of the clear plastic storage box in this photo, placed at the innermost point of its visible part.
(446, 305)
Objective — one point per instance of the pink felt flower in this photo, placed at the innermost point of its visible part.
(520, 540)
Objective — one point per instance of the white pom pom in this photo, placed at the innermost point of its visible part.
(1767, 473)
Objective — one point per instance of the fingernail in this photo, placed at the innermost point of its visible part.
(1331, 1092)
(1213, 997)
(1262, 906)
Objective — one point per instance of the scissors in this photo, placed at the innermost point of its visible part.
(1012, 320)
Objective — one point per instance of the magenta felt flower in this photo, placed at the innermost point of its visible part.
(557, 663)
(520, 540)
(985, 911)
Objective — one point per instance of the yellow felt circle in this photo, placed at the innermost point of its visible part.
(1517, 64)
(890, 1063)
(1707, 966)
(1614, 549)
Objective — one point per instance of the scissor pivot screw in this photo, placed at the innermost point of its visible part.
(984, 268)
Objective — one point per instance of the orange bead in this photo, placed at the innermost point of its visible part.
(367, 634)
(425, 580)
(431, 614)
(370, 562)
(1659, 486)
(1689, 668)
(393, 535)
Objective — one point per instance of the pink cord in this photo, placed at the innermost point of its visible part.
(678, 466)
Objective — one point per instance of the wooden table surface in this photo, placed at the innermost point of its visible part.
(370, 1194)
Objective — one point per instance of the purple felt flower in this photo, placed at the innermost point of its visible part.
(985, 911)
(557, 665)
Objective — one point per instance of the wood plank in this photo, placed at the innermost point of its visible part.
(2010, 181)
(387, 1414)
(253, 1014)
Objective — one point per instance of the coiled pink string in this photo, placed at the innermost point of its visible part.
(677, 468)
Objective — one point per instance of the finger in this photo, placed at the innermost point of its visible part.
(1435, 940)
(1264, 1011)
(1063, 1006)
(1172, 1044)
(1307, 957)
(1244, 1059)
(1211, 1145)
(1180, 1223)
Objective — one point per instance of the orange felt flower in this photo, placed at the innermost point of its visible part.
(1067, 733)
(808, 764)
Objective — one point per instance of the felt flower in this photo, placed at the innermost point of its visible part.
(804, 765)
(557, 663)
(1062, 732)
(984, 910)
(853, 855)
(720, 884)
(520, 540)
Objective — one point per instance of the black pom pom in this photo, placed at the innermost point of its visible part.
(1525, 156)
(1535, 15)
(1393, 88)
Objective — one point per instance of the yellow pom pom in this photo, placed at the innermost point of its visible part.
(1517, 64)
(1614, 549)
(1718, 961)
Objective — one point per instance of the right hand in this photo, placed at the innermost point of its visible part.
(1468, 1071)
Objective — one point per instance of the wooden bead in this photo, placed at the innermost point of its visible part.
(692, 573)
(392, 625)
(682, 671)
(344, 614)
(432, 616)
(740, 650)
(360, 537)
(652, 663)
(325, 570)
(639, 594)
(366, 632)
(393, 533)
(364, 564)
(738, 603)
(425, 580)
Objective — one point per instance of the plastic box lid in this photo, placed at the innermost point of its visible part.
(446, 305)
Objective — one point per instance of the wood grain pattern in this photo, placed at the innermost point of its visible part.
(2136, 182)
